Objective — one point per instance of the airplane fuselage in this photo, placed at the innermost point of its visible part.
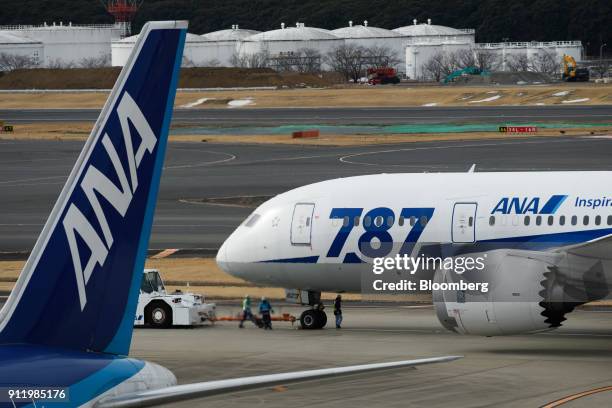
(324, 235)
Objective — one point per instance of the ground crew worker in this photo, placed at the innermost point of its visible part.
(338, 311)
(246, 311)
(265, 309)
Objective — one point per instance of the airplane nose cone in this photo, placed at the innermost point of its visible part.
(223, 260)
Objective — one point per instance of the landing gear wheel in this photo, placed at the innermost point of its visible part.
(308, 320)
(322, 316)
(313, 319)
(160, 315)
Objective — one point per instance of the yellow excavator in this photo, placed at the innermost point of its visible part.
(571, 72)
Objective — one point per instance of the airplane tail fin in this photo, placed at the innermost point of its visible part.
(79, 288)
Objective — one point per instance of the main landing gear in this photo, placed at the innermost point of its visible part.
(313, 319)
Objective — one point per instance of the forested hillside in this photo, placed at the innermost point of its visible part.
(494, 20)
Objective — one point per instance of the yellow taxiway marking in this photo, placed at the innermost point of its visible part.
(573, 397)
(164, 253)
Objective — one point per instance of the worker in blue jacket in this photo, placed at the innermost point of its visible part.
(265, 310)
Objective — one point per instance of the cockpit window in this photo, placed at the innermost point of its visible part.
(252, 220)
(151, 282)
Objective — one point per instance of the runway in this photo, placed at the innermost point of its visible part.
(33, 172)
(350, 116)
(525, 371)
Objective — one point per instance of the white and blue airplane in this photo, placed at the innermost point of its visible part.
(66, 328)
(546, 238)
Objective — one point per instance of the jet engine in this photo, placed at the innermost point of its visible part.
(525, 293)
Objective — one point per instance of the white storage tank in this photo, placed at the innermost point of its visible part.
(508, 51)
(196, 51)
(67, 45)
(437, 34)
(374, 37)
(220, 46)
(15, 45)
(195, 54)
(290, 40)
(417, 55)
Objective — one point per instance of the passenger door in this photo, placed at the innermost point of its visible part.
(464, 222)
(301, 224)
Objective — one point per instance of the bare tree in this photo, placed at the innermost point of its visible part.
(95, 62)
(482, 59)
(545, 62)
(434, 67)
(237, 60)
(381, 56)
(465, 58)
(485, 60)
(59, 63)
(518, 63)
(451, 62)
(10, 62)
(348, 60)
(310, 61)
(257, 60)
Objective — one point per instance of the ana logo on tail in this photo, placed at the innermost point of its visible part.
(95, 184)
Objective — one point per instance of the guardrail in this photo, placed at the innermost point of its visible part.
(526, 44)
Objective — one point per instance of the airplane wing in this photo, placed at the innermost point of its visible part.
(205, 389)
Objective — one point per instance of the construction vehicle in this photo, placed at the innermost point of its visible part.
(571, 72)
(464, 72)
(382, 76)
(157, 308)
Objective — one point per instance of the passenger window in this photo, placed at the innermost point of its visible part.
(378, 221)
(401, 221)
(574, 220)
(345, 221)
(585, 220)
(527, 220)
(423, 221)
(609, 219)
(492, 220)
(470, 221)
(390, 221)
(598, 220)
(412, 221)
(539, 220)
(562, 220)
(356, 221)
(551, 220)
(367, 221)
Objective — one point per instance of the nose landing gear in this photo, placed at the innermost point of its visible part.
(313, 319)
